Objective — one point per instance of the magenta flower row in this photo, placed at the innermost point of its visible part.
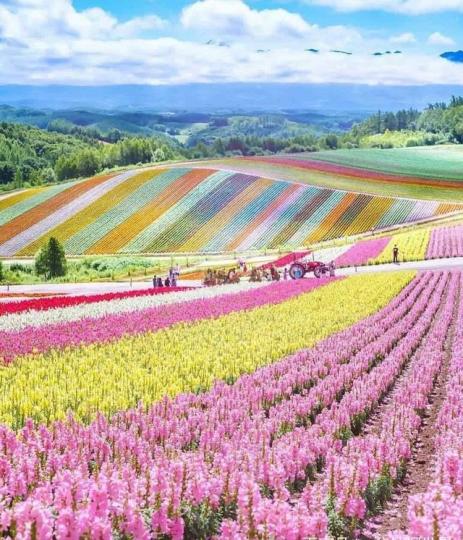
(362, 252)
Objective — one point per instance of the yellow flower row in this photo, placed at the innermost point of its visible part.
(187, 357)
(412, 247)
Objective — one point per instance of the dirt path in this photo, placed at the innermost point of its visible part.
(420, 468)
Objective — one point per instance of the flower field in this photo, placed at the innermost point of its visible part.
(414, 245)
(166, 430)
(431, 173)
(194, 210)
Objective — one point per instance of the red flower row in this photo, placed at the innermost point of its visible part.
(42, 304)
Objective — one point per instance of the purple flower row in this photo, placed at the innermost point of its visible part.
(355, 471)
(438, 512)
(445, 242)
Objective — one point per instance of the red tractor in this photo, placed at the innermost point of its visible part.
(299, 269)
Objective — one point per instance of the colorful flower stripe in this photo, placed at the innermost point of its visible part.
(85, 331)
(178, 232)
(360, 253)
(156, 207)
(285, 191)
(447, 208)
(368, 218)
(14, 198)
(25, 205)
(40, 229)
(188, 357)
(332, 217)
(269, 190)
(80, 242)
(223, 218)
(117, 477)
(437, 512)
(302, 215)
(273, 212)
(104, 308)
(289, 216)
(203, 209)
(142, 241)
(59, 301)
(61, 198)
(119, 188)
(316, 218)
(397, 213)
(445, 242)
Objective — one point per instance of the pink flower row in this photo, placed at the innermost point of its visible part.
(112, 327)
(445, 242)
(438, 513)
(355, 470)
(165, 470)
(362, 252)
(43, 304)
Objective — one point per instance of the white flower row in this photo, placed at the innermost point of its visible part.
(18, 321)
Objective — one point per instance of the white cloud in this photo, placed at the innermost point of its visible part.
(23, 20)
(439, 39)
(50, 42)
(235, 18)
(409, 7)
(405, 38)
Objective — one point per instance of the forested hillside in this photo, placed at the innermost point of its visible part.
(65, 150)
(31, 156)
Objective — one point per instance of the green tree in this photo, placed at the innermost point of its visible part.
(2, 273)
(51, 260)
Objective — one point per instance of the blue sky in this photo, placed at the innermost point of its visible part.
(182, 41)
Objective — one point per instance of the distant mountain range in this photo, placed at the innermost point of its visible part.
(236, 97)
(453, 56)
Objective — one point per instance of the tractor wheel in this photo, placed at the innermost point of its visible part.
(317, 272)
(297, 271)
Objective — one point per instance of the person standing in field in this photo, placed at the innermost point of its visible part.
(395, 253)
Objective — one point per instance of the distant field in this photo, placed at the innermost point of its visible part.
(436, 162)
(191, 210)
(430, 173)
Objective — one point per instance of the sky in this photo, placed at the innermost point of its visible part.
(161, 42)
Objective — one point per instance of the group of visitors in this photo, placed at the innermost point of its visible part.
(221, 277)
(170, 281)
(268, 274)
